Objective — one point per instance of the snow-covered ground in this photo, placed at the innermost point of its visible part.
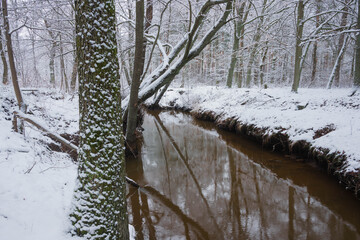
(297, 115)
(36, 184)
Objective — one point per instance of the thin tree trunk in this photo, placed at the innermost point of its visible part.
(240, 74)
(137, 73)
(35, 69)
(298, 47)
(52, 64)
(336, 65)
(357, 51)
(238, 25)
(74, 75)
(254, 49)
(14, 77)
(5, 78)
(314, 63)
(262, 65)
(314, 55)
(64, 80)
(343, 23)
(51, 53)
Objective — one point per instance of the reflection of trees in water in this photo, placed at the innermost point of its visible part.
(184, 160)
(205, 183)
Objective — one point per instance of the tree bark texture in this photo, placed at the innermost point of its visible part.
(11, 58)
(5, 78)
(314, 54)
(254, 49)
(298, 47)
(238, 26)
(74, 75)
(357, 51)
(137, 73)
(343, 23)
(100, 210)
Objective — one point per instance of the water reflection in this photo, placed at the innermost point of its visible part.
(201, 183)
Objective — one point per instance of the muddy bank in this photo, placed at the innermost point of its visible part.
(278, 139)
(299, 151)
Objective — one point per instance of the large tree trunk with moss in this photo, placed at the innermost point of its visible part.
(100, 210)
(298, 47)
(357, 51)
(137, 73)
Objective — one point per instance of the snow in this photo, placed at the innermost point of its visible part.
(280, 110)
(37, 184)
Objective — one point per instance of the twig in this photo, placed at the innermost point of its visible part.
(29, 170)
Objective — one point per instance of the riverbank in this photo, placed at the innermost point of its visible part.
(315, 124)
(36, 181)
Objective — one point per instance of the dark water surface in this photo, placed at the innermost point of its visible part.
(204, 183)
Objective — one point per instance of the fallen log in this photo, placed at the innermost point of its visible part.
(56, 137)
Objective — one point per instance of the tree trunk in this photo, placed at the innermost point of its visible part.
(14, 77)
(238, 26)
(314, 63)
(52, 64)
(100, 210)
(298, 47)
(137, 73)
(51, 53)
(314, 54)
(254, 49)
(64, 80)
(340, 44)
(5, 78)
(336, 64)
(240, 75)
(262, 66)
(74, 75)
(357, 51)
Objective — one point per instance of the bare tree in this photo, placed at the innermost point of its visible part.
(298, 47)
(5, 78)
(14, 77)
(357, 50)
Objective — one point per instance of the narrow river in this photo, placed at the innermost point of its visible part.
(204, 183)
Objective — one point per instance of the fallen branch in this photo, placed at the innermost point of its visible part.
(46, 131)
(58, 138)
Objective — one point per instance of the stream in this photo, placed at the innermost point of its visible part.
(204, 183)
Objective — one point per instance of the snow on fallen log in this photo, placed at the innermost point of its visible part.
(57, 137)
(46, 131)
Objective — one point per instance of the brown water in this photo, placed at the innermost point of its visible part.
(204, 183)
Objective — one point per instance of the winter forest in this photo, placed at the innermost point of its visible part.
(255, 47)
(197, 119)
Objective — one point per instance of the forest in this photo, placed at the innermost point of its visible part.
(101, 100)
